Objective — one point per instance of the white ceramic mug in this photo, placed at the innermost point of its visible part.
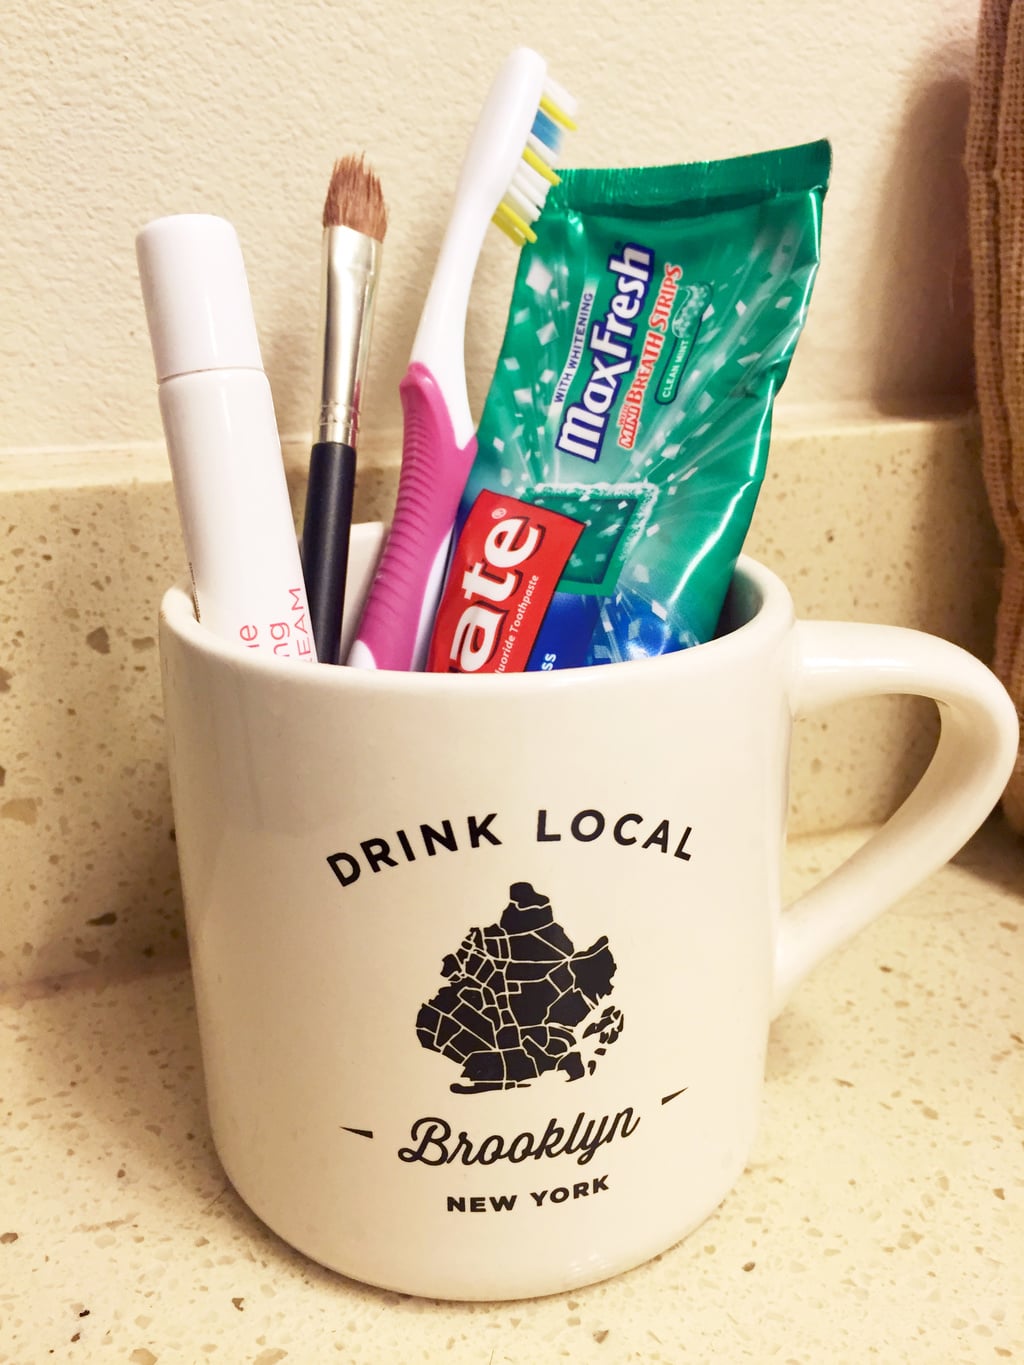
(485, 966)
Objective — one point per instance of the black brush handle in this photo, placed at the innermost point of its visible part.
(325, 534)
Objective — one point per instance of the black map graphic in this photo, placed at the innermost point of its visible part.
(521, 1000)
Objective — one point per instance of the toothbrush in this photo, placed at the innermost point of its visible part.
(505, 178)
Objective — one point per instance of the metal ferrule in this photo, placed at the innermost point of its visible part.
(350, 265)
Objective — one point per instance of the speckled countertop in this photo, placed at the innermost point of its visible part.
(880, 1219)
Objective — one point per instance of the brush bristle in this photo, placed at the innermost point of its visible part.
(355, 199)
(534, 176)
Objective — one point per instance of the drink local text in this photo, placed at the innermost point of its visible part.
(628, 829)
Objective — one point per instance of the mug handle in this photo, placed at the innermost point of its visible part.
(972, 763)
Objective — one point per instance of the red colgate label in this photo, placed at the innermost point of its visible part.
(503, 574)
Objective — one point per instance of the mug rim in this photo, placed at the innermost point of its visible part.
(774, 611)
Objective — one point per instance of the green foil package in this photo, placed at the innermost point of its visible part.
(624, 437)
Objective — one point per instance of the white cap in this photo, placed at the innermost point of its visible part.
(197, 296)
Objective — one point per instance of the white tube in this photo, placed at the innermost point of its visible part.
(222, 438)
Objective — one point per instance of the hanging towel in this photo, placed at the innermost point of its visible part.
(995, 175)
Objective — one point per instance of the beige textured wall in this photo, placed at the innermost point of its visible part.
(114, 112)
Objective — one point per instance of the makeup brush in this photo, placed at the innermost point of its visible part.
(354, 220)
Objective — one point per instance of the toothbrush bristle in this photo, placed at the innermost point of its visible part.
(535, 173)
(512, 225)
(517, 200)
(535, 159)
(559, 105)
(546, 130)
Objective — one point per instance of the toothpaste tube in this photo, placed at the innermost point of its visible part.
(624, 438)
